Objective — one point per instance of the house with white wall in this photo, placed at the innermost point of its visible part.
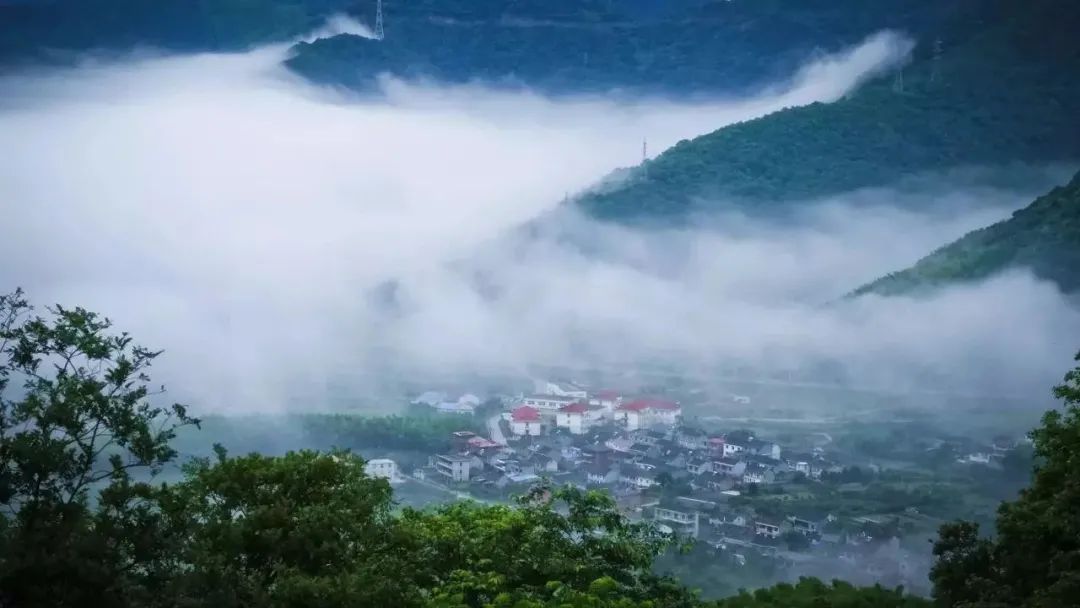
(525, 420)
(453, 466)
(382, 468)
(560, 389)
(643, 413)
(607, 399)
(547, 404)
(578, 417)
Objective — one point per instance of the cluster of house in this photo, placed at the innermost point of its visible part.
(630, 445)
(605, 439)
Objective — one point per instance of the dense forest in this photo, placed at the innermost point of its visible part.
(1044, 237)
(84, 523)
(688, 48)
(996, 86)
(675, 47)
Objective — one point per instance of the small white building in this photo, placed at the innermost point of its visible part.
(560, 389)
(578, 417)
(643, 413)
(547, 404)
(382, 468)
(767, 529)
(637, 476)
(466, 404)
(731, 449)
(757, 474)
(525, 420)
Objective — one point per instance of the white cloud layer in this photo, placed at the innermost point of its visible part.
(249, 224)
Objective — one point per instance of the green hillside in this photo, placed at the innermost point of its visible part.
(1044, 236)
(999, 87)
(56, 31)
(688, 47)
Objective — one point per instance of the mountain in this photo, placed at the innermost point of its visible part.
(995, 86)
(56, 31)
(672, 48)
(1044, 236)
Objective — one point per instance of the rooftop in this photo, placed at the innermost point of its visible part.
(551, 398)
(454, 458)
(576, 408)
(638, 405)
(525, 413)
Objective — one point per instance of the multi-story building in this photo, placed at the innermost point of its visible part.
(453, 466)
(643, 413)
(383, 468)
(547, 404)
(578, 417)
(525, 420)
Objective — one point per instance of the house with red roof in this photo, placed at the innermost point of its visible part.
(607, 399)
(647, 412)
(579, 417)
(525, 420)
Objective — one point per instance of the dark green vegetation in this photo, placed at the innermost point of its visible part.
(1044, 236)
(312, 529)
(671, 48)
(1002, 89)
(1033, 561)
(55, 30)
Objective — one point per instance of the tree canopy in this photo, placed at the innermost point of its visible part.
(84, 522)
(1034, 561)
(1044, 237)
(992, 87)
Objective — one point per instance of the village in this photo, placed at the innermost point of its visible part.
(748, 501)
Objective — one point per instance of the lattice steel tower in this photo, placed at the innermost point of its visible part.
(379, 33)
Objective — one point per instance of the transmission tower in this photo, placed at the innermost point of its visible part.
(935, 72)
(898, 81)
(644, 150)
(379, 33)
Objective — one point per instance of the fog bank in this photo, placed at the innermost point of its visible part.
(278, 239)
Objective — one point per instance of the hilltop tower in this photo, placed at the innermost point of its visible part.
(379, 33)
(935, 71)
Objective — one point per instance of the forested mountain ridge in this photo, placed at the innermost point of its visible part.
(57, 31)
(998, 86)
(668, 48)
(1044, 237)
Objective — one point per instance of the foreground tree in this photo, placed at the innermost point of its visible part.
(81, 524)
(76, 426)
(304, 529)
(1035, 559)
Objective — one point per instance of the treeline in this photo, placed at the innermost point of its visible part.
(996, 86)
(669, 48)
(420, 430)
(79, 528)
(56, 30)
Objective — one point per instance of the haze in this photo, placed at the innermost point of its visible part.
(274, 237)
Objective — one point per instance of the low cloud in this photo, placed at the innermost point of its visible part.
(282, 242)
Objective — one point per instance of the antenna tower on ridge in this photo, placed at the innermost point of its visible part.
(379, 33)
(935, 73)
(644, 150)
